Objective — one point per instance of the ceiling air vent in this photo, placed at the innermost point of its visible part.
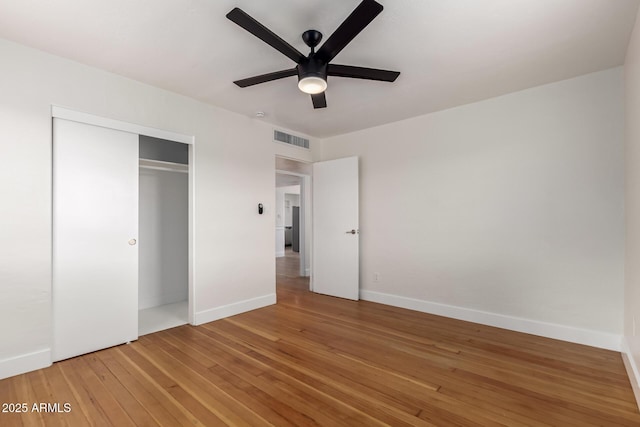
(290, 139)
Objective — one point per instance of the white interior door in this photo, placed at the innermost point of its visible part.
(335, 228)
(95, 227)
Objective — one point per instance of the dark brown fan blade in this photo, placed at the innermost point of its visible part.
(266, 77)
(319, 100)
(264, 34)
(351, 27)
(362, 73)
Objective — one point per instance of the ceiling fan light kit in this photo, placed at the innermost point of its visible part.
(312, 73)
(312, 70)
(312, 85)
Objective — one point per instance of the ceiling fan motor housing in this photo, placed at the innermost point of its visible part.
(312, 67)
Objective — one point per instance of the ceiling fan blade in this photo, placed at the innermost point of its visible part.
(362, 73)
(319, 100)
(266, 77)
(263, 33)
(351, 27)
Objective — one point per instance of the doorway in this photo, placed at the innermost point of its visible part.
(335, 227)
(163, 223)
(293, 218)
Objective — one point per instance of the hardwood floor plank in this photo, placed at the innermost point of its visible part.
(208, 394)
(9, 396)
(134, 352)
(46, 402)
(83, 400)
(61, 391)
(22, 389)
(322, 407)
(232, 366)
(227, 391)
(272, 410)
(98, 395)
(148, 393)
(436, 367)
(296, 362)
(391, 394)
(485, 392)
(126, 400)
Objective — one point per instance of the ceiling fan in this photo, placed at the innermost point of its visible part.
(312, 70)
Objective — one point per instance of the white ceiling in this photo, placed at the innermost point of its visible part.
(450, 52)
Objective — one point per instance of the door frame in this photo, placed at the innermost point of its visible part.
(305, 197)
(90, 119)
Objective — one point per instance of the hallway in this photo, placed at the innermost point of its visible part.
(288, 270)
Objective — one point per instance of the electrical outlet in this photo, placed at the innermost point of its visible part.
(376, 277)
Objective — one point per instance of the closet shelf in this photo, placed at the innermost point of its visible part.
(163, 166)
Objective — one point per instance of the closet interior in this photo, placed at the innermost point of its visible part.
(163, 220)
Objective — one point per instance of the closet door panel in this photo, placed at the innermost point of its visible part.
(95, 228)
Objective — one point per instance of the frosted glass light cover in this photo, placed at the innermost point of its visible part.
(312, 85)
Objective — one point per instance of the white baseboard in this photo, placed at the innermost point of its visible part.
(550, 330)
(25, 363)
(279, 254)
(632, 369)
(233, 309)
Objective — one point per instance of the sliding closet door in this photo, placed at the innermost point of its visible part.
(95, 227)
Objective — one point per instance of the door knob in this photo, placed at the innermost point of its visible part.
(352, 232)
(132, 242)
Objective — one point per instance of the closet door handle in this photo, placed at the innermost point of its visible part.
(132, 242)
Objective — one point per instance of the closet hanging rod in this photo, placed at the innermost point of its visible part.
(164, 166)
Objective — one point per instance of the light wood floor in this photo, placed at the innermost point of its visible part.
(316, 360)
(288, 266)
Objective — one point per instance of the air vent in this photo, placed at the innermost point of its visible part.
(290, 139)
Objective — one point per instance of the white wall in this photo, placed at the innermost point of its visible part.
(234, 171)
(507, 211)
(632, 157)
(163, 244)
